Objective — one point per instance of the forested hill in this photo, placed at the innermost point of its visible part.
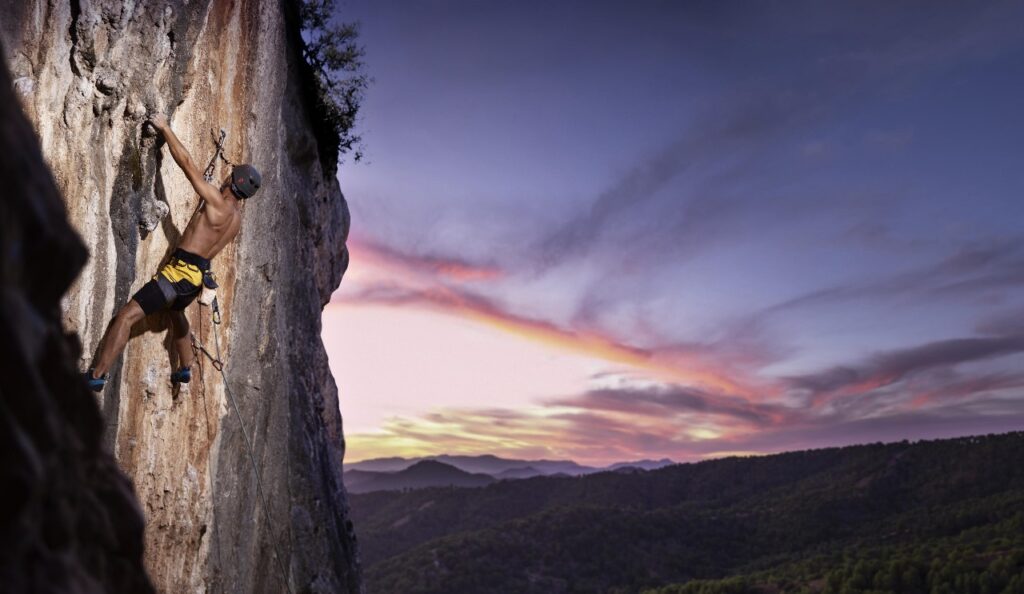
(800, 521)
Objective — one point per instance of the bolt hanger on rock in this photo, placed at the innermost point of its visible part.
(218, 141)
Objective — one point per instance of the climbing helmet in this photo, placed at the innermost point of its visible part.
(245, 181)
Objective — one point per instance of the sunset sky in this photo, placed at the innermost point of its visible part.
(610, 231)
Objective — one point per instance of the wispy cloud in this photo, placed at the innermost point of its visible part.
(447, 267)
(408, 285)
(890, 367)
(1002, 323)
(672, 401)
(916, 392)
(970, 269)
(957, 387)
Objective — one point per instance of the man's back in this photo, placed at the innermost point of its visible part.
(208, 231)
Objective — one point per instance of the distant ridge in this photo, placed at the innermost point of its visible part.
(642, 464)
(496, 466)
(518, 473)
(425, 473)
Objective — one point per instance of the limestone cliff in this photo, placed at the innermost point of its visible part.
(86, 73)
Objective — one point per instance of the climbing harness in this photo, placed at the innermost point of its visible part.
(199, 349)
(218, 364)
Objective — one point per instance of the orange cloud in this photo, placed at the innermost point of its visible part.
(385, 276)
(678, 365)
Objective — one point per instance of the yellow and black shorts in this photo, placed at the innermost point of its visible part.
(177, 284)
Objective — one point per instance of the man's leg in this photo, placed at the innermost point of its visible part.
(181, 337)
(116, 337)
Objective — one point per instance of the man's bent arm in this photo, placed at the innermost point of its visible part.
(184, 160)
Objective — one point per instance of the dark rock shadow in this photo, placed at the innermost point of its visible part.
(70, 519)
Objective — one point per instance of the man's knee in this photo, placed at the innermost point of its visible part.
(130, 313)
(179, 324)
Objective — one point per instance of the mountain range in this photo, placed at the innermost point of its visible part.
(922, 517)
(467, 471)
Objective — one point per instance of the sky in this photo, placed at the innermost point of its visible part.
(609, 231)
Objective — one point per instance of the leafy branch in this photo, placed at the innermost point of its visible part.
(335, 57)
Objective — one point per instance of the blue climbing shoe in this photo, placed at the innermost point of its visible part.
(182, 376)
(95, 383)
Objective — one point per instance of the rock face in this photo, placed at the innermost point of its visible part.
(87, 73)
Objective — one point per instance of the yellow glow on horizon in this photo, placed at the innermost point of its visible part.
(735, 453)
(703, 433)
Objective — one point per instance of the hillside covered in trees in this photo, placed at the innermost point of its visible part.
(929, 517)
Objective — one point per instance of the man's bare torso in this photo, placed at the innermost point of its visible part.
(207, 233)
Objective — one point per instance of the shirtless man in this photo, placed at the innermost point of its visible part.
(214, 224)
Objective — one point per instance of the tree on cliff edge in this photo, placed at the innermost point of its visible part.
(336, 59)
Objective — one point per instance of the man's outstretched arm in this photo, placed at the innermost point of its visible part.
(184, 160)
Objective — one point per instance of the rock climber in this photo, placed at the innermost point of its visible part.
(214, 224)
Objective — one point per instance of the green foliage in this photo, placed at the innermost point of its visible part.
(929, 517)
(332, 53)
(927, 568)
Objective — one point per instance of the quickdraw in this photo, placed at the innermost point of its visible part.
(198, 349)
(218, 154)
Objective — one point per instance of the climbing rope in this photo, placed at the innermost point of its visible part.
(199, 349)
(209, 434)
(218, 364)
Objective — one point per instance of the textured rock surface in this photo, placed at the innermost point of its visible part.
(86, 73)
(69, 521)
